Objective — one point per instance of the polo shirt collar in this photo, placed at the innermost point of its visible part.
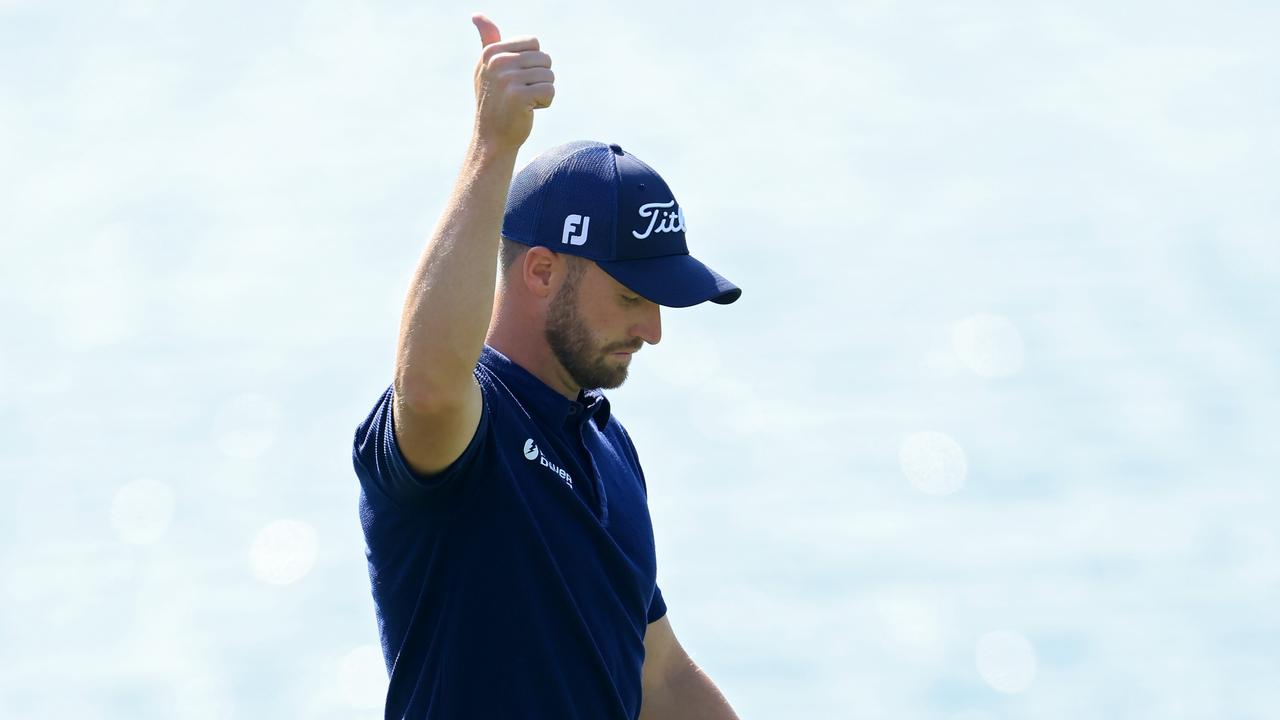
(549, 405)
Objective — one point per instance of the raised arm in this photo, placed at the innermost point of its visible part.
(446, 313)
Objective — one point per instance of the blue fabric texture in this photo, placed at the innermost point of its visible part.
(519, 581)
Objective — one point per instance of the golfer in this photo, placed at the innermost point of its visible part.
(504, 507)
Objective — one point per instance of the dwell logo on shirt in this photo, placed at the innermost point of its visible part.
(532, 454)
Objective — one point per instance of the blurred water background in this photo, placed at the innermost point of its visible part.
(992, 433)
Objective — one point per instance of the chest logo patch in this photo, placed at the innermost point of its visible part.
(532, 454)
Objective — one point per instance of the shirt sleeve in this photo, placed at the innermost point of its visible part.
(657, 606)
(382, 467)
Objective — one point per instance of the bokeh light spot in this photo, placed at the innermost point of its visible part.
(1006, 661)
(283, 552)
(988, 345)
(934, 463)
(141, 511)
(245, 425)
(362, 677)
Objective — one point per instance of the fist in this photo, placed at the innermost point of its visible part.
(513, 78)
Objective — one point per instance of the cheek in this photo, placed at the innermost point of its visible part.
(598, 320)
(594, 327)
(603, 319)
(587, 326)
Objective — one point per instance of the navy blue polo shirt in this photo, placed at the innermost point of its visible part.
(519, 581)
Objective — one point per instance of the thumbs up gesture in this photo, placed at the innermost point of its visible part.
(513, 78)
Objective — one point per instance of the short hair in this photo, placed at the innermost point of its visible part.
(510, 251)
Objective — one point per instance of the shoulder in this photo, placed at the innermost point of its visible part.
(620, 439)
(617, 432)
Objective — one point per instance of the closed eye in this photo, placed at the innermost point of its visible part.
(629, 299)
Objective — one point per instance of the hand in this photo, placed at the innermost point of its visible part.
(513, 78)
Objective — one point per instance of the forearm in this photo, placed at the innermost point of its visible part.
(688, 695)
(450, 300)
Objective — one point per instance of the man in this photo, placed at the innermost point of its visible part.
(510, 547)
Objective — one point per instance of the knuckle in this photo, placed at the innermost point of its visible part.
(501, 60)
(518, 43)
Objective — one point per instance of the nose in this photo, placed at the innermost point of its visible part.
(649, 328)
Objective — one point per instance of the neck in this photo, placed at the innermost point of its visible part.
(521, 339)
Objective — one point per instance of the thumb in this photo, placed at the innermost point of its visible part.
(488, 31)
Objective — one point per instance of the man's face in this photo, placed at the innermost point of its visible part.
(595, 323)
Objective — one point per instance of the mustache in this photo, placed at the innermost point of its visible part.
(625, 347)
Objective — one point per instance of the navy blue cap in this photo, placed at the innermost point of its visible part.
(600, 202)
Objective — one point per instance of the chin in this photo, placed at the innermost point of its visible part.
(613, 380)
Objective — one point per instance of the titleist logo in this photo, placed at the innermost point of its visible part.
(663, 217)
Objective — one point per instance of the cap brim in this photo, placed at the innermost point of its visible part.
(672, 280)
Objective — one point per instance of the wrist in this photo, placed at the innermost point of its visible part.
(486, 151)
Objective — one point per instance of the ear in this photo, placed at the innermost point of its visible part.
(542, 271)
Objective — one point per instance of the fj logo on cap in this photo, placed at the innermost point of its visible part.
(575, 230)
(672, 218)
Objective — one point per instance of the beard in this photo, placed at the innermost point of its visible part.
(575, 347)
